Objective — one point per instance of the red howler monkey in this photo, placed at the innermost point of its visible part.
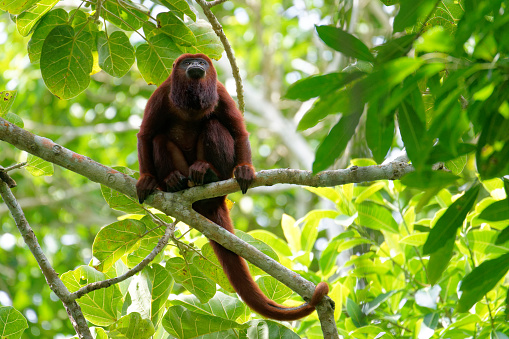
(192, 134)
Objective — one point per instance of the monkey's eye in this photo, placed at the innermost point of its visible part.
(186, 62)
(202, 63)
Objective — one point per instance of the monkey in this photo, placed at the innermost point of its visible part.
(192, 133)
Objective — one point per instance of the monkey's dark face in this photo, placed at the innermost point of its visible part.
(195, 68)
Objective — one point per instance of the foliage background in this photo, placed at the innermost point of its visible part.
(393, 286)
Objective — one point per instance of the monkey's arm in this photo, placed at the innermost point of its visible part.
(232, 119)
(148, 182)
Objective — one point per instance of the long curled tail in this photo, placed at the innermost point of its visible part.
(238, 274)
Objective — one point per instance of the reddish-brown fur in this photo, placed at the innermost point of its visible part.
(192, 133)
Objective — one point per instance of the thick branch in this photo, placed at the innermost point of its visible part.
(179, 204)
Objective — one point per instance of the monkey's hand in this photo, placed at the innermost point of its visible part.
(175, 181)
(145, 185)
(245, 174)
(202, 172)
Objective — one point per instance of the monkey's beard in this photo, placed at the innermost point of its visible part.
(195, 95)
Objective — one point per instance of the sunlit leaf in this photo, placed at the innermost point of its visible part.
(156, 58)
(344, 42)
(12, 323)
(116, 54)
(191, 278)
(132, 326)
(446, 227)
(174, 27)
(6, 100)
(26, 21)
(66, 61)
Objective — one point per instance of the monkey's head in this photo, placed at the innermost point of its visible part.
(194, 83)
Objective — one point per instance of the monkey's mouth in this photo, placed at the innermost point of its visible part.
(195, 72)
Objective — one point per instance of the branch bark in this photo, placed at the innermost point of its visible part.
(179, 204)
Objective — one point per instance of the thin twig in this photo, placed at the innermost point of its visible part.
(228, 49)
(163, 241)
(211, 4)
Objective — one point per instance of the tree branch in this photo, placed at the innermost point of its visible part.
(73, 309)
(179, 204)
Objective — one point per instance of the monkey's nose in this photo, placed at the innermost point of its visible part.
(195, 72)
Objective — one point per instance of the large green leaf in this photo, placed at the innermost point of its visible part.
(481, 280)
(376, 217)
(344, 42)
(51, 20)
(116, 54)
(183, 323)
(26, 21)
(333, 145)
(319, 85)
(191, 278)
(274, 289)
(124, 14)
(99, 306)
(174, 27)
(16, 7)
(446, 227)
(207, 41)
(12, 323)
(413, 131)
(66, 61)
(181, 7)
(439, 260)
(379, 131)
(160, 286)
(156, 58)
(39, 167)
(131, 326)
(115, 240)
(411, 12)
(221, 305)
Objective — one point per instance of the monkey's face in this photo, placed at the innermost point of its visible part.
(195, 68)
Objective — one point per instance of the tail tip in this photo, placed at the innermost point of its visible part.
(320, 291)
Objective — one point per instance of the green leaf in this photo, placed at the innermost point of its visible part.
(274, 289)
(209, 265)
(131, 326)
(310, 226)
(319, 85)
(333, 145)
(14, 119)
(207, 41)
(180, 6)
(273, 241)
(174, 27)
(435, 40)
(220, 305)
(355, 313)
(261, 246)
(66, 61)
(446, 227)
(344, 42)
(120, 201)
(503, 236)
(17, 6)
(375, 303)
(425, 179)
(379, 131)
(38, 167)
(12, 323)
(182, 323)
(413, 132)
(54, 18)
(481, 280)
(161, 284)
(156, 58)
(191, 278)
(411, 12)
(261, 329)
(376, 217)
(124, 14)
(394, 48)
(99, 306)
(292, 232)
(439, 260)
(26, 21)
(115, 240)
(6, 100)
(497, 211)
(116, 54)
(414, 239)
